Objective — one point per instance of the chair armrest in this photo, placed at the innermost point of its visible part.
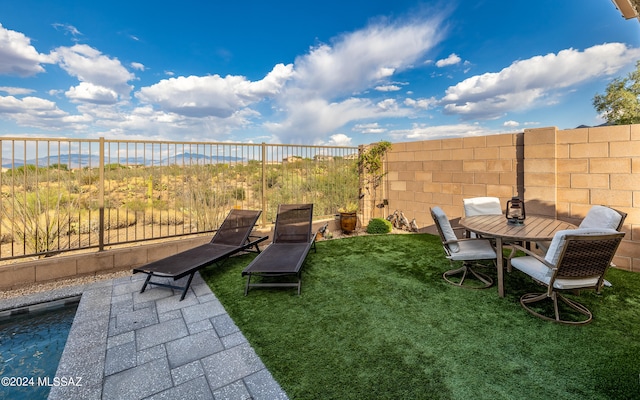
(465, 232)
(530, 253)
(462, 240)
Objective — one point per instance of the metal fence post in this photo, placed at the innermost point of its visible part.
(101, 196)
(264, 184)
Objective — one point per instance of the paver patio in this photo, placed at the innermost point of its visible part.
(126, 344)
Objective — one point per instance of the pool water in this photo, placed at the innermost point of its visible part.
(31, 344)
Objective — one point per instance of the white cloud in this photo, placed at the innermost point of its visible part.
(369, 128)
(69, 29)
(39, 113)
(91, 66)
(453, 59)
(15, 90)
(10, 104)
(387, 88)
(388, 105)
(339, 139)
(422, 104)
(213, 95)
(273, 83)
(137, 66)
(321, 95)
(526, 83)
(315, 117)
(511, 124)
(427, 132)
(149, 123)
(18, 56)
(357, 61)
(88, 92)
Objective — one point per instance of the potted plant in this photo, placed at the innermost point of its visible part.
(348, 217)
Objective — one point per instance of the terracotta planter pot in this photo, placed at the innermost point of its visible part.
(348, 222)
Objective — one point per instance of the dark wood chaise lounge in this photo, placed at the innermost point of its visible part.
(292, 240)
(233, 236)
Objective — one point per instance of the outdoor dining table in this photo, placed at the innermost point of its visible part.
(532, 229)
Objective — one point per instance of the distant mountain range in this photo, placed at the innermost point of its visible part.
(85, 160)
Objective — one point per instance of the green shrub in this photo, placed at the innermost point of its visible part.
(379, 225)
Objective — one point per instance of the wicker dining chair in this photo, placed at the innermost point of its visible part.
(597, 217)
(577, 259)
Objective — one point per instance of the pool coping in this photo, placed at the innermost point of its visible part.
(34, 300)
(39, 307)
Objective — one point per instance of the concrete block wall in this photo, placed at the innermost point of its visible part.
(443, 172)
(569, 171)
(559, 173)
(49, 269)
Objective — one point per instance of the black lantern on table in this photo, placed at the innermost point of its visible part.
(515, 211)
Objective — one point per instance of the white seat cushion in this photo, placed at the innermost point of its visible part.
(445, 226)
(477, 249)
(532, 267)
(541, 273)
(482, 206)
(601, 217)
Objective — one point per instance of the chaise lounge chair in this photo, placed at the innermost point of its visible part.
(292, 240)
(233, 236)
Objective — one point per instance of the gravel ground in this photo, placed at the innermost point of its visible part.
(43, 287)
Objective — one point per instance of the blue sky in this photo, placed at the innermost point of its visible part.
(326, 73)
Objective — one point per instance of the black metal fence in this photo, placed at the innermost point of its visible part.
(72, 194)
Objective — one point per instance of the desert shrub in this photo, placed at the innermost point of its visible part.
(84, 225)
(61, 167)
(6, 238)
(238, 194)
(37, 220)
(379, 225)
(136, 205)
(163, 217)
(114, 167)
(87, 222)
(158, 204)
(117, 218)
(87, 178)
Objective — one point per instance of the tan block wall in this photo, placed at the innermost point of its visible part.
(68, 266)
(559, 173)
(443, 172)
(596, 166)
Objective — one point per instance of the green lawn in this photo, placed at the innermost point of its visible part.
(376, 320)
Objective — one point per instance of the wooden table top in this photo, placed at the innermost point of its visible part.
(533, 229)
